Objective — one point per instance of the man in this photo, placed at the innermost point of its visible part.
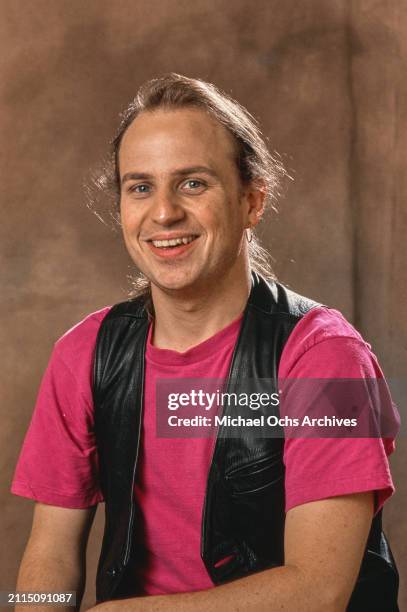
(201, 523)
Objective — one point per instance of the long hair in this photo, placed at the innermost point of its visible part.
(253, 159)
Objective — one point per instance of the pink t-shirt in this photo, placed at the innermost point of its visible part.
(58, 463)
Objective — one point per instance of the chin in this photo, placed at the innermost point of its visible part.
(174, 282)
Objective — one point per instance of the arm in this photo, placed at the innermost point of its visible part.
(55, 555)
(324, 545)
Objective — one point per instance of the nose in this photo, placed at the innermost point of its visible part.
(166, 209)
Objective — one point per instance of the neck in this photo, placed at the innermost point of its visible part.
(185, 319)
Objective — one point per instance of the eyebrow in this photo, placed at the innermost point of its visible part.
(134, 176)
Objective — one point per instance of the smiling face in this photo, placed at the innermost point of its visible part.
(183, 208)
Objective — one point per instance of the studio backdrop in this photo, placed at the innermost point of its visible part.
(326, 80)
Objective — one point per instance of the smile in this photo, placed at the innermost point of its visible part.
(164, 244)
(172, 248)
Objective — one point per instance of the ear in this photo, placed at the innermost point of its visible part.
(255, 197)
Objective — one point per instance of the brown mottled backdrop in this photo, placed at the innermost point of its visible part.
(326, 81)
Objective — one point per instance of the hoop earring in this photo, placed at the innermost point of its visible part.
(249, 234)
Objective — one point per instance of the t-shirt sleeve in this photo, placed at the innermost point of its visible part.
(58, 462)
(325, 346)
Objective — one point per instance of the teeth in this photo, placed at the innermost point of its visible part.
(174, 242)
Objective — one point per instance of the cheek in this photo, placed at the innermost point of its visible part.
(216, 213)
(129, 219)
(130, 233)
(230, 219)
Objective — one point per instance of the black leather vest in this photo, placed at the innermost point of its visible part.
(243, 515)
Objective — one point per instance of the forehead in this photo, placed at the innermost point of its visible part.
(182, 136)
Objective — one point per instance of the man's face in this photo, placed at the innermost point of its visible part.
(183, 211)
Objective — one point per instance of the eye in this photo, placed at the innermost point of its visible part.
(194, 185)
(139, 189)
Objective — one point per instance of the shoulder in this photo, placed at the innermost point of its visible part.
(325, 339)
(75, 348)
(322, 323)
(83, 332)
